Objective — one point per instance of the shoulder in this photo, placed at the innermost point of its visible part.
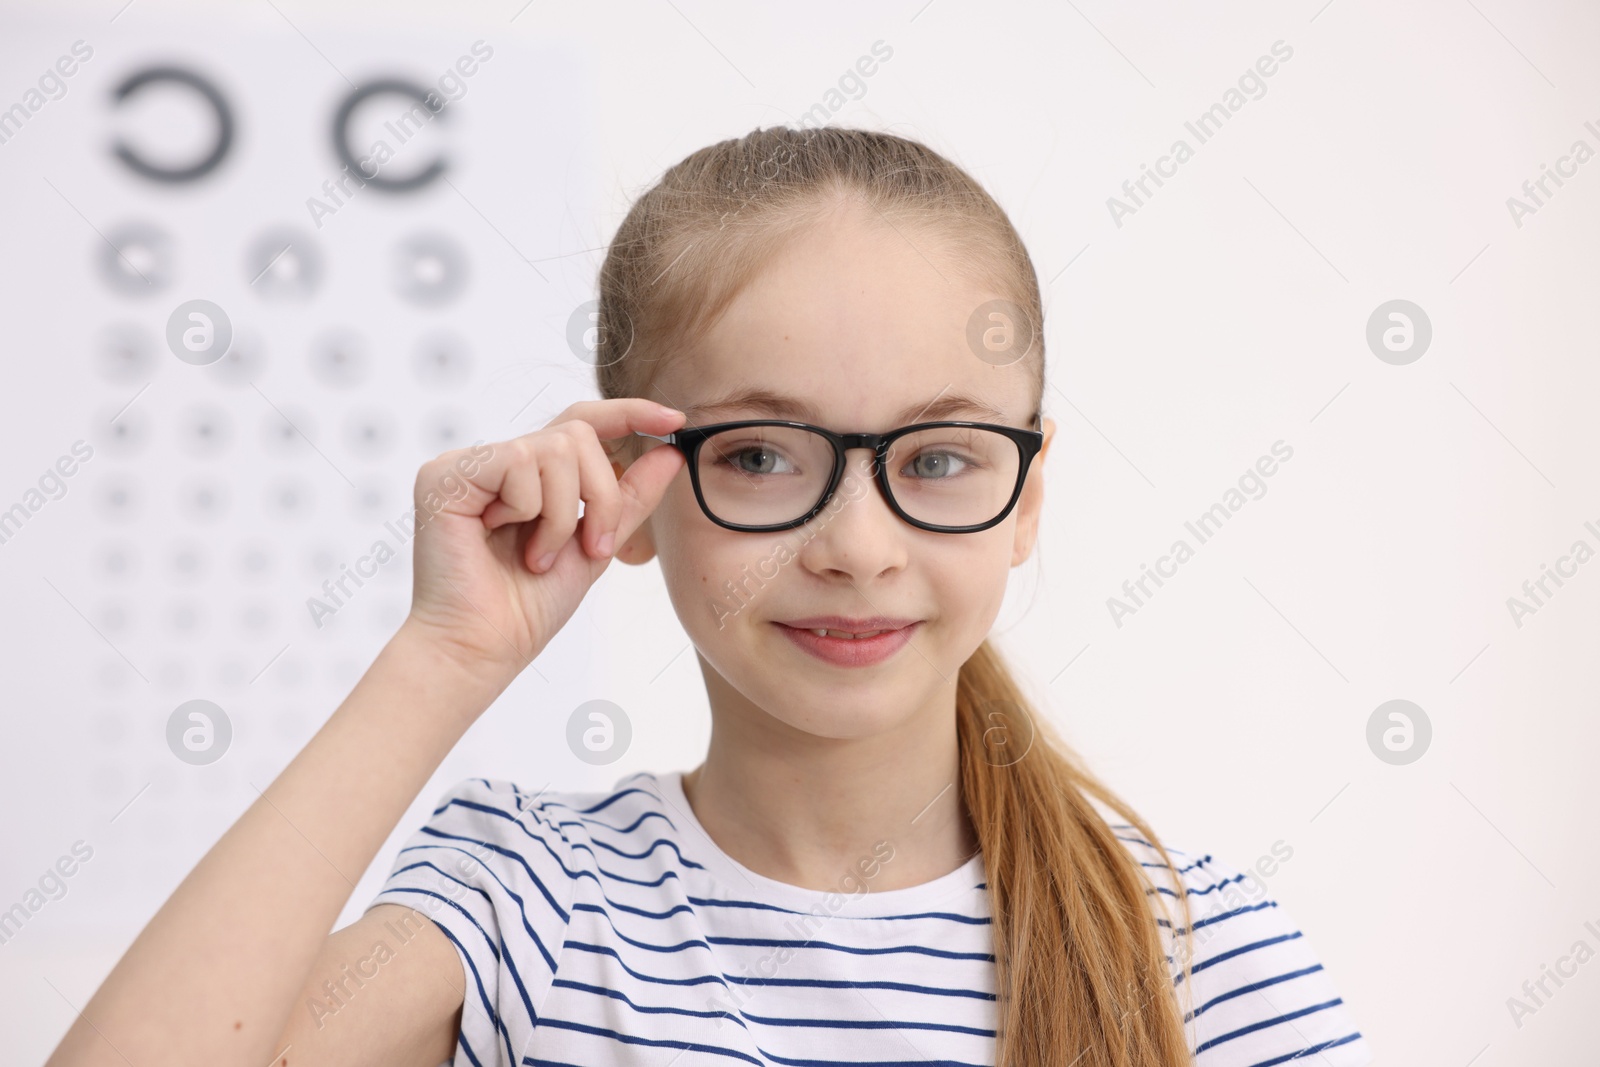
(498, 818)
(496, 867)
(1257, 991)
(544, 833)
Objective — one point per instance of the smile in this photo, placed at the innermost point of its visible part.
(842, 648)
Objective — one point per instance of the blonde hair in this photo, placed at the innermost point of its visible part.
(1082, 973)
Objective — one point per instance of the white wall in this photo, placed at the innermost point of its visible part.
(1229, 312)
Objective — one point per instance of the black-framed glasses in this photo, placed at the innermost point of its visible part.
(761, 475)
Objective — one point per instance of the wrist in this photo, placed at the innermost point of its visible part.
(468, 664)
(472, 680)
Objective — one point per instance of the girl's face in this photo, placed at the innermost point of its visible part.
(863, 328)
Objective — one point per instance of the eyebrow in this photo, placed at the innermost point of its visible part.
(779, 406)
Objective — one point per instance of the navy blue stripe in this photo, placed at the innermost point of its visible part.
(467, 1048)
(645, 1009)
(602, 950)
(483, 995)
(758, 906)
(1263, 1024)
(657, 843)
(716, 1050)
(627, 1039)
(646, 912)
(1148, 845)
(634, 825)
(1216, 886)
(802, 983)
(1204, 964)
(1312, 1051)
(1218, 918)
(868, 1024)
(1180, 870)
(612, 799)
(774, 942)
(1246, 909)
(1242, 949)
(1251, 988)
(832, 983)
(863, 1063)
(679, 947)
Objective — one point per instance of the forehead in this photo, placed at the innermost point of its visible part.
(855, 325)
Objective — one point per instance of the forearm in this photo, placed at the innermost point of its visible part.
(213, 976)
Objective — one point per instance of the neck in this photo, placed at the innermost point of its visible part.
(806, 810)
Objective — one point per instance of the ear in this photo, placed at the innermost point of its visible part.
(1031, 503)
(640, 547)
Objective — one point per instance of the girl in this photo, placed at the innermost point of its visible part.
(885, 857)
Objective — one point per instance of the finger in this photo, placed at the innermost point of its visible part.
(486, 467)
(643, 485)
(558, 512)
(597, 486)
(521, 494)
(505, 478)
(620, 417)
(453, 481)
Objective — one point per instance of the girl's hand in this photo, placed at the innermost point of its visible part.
(499, 511)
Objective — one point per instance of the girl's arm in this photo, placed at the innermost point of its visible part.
(223, 973)
(228, 970)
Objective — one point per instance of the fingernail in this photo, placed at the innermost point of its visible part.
(545, 561)
(607, 539)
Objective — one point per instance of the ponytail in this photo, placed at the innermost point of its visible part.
(1081, 972)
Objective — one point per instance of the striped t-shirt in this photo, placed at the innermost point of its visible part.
(608, 928)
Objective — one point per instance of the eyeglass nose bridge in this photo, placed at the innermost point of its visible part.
(877, 443)
(863, 440)
(877, 472)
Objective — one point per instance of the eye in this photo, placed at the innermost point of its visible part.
(754, 459)
(938, 465)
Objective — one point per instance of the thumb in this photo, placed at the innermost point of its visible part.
(643, 485)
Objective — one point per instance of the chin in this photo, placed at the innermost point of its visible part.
(834, 726)
(821, 712)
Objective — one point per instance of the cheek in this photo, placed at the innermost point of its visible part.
(698, 559)
(676, 522)
(972, 576)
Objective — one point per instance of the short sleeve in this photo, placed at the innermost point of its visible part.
(494, 874)
(1259, 995)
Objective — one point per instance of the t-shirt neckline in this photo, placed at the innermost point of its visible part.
(739, 881)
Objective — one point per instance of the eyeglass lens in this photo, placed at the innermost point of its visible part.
(943, 476)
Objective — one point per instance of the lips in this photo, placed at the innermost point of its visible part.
(867, 646)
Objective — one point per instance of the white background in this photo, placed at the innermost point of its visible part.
(1229, 312)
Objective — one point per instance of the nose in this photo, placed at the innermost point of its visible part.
(857, 534)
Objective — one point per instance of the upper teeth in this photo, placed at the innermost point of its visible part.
(846, 633)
